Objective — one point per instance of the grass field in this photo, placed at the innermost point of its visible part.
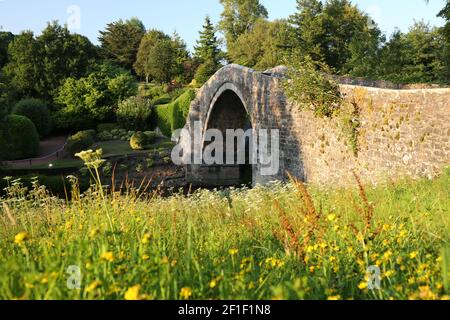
(280, 242)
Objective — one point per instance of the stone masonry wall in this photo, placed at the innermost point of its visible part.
(404, 132)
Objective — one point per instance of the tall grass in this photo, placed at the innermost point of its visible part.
(285, 241)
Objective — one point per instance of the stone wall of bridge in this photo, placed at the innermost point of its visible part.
(403, 132)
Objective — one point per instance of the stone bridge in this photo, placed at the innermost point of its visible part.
(402, 132)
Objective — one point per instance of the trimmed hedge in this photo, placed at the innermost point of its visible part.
(172, 116)
(19, 138)
(102, 127)
(80, 141)
(37, 111)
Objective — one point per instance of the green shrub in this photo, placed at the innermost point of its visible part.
(151, 137)
(134, 113)
(102, 127)
(162, 119)
(37, 111)
(138, 141)
(164, 99)
(80, 141)
(19, 138)
(173, 116)
(105, 136)
(205, 72)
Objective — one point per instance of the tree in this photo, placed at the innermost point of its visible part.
(414, 57)
(94, 98)
(24, 68)
(63, 55)
(238, 17)
(144, 65)
(161, 57)
(181, 57)
(207, 47)
(326, 31)
(38, 66)
(264, 46)
(120, 41)
(5, 40)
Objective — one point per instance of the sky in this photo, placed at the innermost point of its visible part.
(88, 17)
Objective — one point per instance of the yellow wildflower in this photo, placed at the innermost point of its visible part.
(233, 252)
(413, 255)
(331, 217)
(362, 285)
(186, 293)
(21, 237)
(107, 256)
(93, 286)
(334, 298)
(145, 257)
(132, 293)
(146, 238)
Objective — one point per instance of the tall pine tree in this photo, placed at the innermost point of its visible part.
(207, 46)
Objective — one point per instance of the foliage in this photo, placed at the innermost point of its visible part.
(102, 127)
(415, 57)
(264, 46)
(39, 65)
(239, 17)
(5, 39)
(18, 138)
(139, 141)
(311, 87)
(144, 65)
(201, 247)
(80, 141)
(205, 71)
(37, 111)
(325, 31)
(173, 116)
(94, 97)
(207, 47)
(134, 113)
(120, 41)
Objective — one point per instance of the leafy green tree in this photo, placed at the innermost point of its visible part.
(326, 31)
(25, 66)
(5, 40)
(134, 113)
(414, 57)
(207, 47)
(181, 57)
(120, 41)
(63, 55)
(161, 61)
(264, 46)
(205, 71)
(38, 66)
(144, 65)
(239, 17)
(93, 98)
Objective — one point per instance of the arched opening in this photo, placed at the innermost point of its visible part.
(229, 113)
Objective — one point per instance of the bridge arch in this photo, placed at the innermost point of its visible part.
(235, 98)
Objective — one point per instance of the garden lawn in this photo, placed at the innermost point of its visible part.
(277, 242)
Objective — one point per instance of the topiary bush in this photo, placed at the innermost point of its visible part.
(19, 138)
(138, 141)
(80, 141)
(134, 113)
(173, 116)
(37, 111)
(151, 137)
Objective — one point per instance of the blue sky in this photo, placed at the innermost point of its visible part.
(186, 17)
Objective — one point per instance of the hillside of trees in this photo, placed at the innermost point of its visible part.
(82, 84)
